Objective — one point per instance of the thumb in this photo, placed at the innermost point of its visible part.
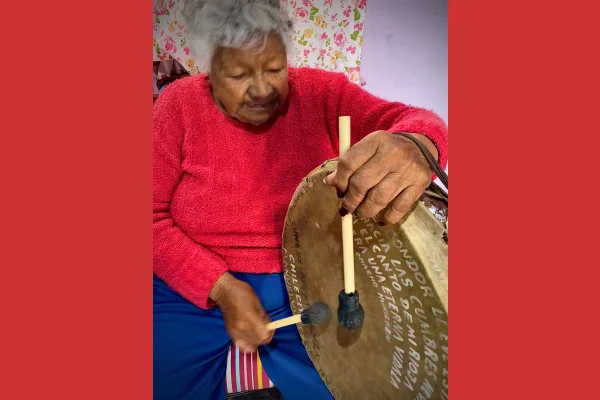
(265, 334)
(267, 339)
(262, 334)
(330, 179)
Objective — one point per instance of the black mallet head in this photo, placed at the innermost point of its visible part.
(350, 313)
(318, 313)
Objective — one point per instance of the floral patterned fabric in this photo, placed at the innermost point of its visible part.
(169, 34)
(328, 34)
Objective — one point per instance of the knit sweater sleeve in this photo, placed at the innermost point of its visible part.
(177, 259)
(369, 113)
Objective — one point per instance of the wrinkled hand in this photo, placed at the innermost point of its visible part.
(245, 320)
(382, 172)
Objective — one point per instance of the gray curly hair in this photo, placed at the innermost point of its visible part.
(234, 23)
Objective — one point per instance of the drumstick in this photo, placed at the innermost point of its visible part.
(348, 245)
(350, 313)
(316, 314)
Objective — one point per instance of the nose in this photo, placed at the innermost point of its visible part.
(260, 88)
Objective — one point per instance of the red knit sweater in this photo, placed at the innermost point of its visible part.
(222, 188)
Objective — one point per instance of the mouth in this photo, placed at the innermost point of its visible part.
(262, 106)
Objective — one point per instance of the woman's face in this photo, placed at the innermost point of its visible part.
(248, 85)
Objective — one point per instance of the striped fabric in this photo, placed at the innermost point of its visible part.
(245, 372)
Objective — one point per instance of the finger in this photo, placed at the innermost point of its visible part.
(401, 204)
(330, 179)
(253, 336)
(268, 339)
(353, 159)
(258, 335)
(380, 196)
(269, 333)
(258, 332)
(244, 346)
(368, 176)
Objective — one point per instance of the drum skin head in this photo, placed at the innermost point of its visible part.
(401, 274)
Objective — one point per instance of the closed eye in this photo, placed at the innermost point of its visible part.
(239, 76)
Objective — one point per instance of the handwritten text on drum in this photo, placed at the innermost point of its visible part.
(407, 319)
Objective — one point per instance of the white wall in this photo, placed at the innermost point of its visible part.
(405, 52)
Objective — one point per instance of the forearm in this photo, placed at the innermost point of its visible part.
(186, 266)
(429, 129)
(369, 113)
(221, 287)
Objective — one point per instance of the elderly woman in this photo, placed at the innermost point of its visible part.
(230, 147)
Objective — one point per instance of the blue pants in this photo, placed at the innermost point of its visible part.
(191, 346)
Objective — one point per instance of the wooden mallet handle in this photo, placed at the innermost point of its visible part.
(293, 320)
(348, 245)
(317, 313)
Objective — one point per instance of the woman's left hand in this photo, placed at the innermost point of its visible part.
(382, 171)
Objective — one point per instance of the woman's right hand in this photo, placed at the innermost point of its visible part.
(245, 320)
